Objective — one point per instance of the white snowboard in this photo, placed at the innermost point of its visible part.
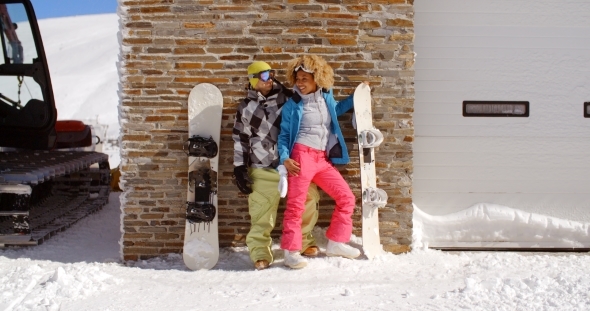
(201, 239)
(364, 121)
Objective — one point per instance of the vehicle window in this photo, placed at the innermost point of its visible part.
(21, 97)
(17, 39)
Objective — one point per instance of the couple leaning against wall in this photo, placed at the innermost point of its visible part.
(285, 143)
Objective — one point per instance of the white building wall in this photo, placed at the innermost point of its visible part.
(526, 50)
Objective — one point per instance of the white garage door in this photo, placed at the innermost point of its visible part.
(483, 50)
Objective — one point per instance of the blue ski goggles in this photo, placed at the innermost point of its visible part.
(263, 75)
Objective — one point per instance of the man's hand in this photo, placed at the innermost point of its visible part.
(242, 180)
(292, 167)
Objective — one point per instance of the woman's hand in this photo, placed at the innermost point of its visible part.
(292, 167)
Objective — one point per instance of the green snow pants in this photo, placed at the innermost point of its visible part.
(263, 203)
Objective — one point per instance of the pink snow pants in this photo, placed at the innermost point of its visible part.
(315, 167)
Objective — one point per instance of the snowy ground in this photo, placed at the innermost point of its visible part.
(79, 269)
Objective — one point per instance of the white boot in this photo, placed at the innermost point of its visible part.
(342, 250)
(294, 260)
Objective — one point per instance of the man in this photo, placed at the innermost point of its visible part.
(255, 134)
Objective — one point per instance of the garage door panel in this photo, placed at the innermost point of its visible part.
(492, 186)
(533, 145)
(573, 109)
(497, 19)
(512, 125)
(483, 130)
(448, 120)
(509, 53)
(504, 158)
(426, 99)
(500, 7)
(475, 41)
(428, 66)
(512, 85)
(446, 31)
(504, 73)
(458, 96)
(443, 108)
(548, 174)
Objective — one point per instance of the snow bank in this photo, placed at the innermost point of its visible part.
(491, 225)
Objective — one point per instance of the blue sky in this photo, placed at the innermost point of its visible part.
(61, 8)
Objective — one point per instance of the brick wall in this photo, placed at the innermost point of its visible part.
(169, 46)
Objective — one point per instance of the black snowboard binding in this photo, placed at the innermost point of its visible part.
(202, 210)
(198, 146)
(197, 212)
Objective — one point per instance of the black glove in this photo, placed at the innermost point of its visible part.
(241, 179)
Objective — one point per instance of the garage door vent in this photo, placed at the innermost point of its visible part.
(475, 108)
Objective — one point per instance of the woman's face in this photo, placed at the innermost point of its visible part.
(305, 82)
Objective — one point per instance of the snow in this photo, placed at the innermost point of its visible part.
(80, 268)
(486, 222)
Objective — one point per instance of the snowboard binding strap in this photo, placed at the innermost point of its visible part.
(198, 146)
(370, 138)
(202, 209)
(197, 212)
(375, 197)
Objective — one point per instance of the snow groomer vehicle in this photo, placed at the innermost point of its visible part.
(50, 177)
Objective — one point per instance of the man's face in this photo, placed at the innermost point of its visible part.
(264, 87)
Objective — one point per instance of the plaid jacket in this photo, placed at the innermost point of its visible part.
(256, 128)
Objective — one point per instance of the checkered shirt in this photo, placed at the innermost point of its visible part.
(256, 129)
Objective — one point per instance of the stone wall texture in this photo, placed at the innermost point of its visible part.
(169, 46)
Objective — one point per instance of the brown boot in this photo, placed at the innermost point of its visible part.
(261, 264)
(312, 251)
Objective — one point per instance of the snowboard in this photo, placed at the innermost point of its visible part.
(201, 238)
(372, 197)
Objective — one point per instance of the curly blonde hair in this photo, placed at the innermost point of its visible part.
(323, 74)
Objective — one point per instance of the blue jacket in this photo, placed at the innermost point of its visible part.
(291, 120)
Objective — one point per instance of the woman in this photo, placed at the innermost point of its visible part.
(310, 142)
